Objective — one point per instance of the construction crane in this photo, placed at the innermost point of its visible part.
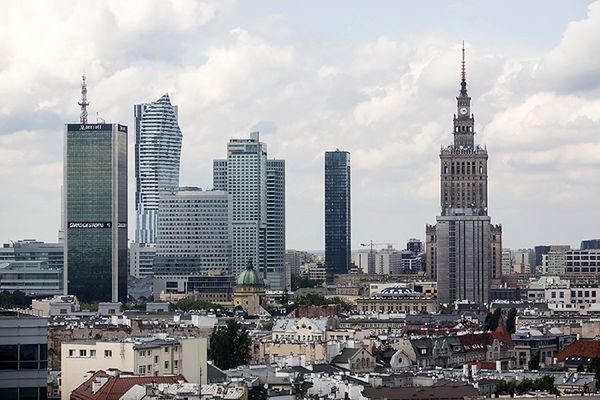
(371, 258)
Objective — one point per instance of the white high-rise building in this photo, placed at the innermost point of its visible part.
(257, 189)
(194, 237)
(157, 155)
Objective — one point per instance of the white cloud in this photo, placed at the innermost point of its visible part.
(389, 100)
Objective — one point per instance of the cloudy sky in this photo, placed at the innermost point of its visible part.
(376, 78)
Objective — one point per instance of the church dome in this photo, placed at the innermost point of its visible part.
(249, 277)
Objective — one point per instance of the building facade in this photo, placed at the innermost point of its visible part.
(31, 277)
(141, 259)
(337, 213)
(464, 248)
(23, 356)
(278, 276)
(33, 250)
(193, 237)
(257, 189)
(95, 211)
(147, 356)
(157, 156)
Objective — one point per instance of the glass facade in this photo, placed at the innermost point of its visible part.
(96, 211)
(337, 213)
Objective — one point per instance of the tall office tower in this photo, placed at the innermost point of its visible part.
(95, 204)
(337, 213)
(194, 237)
(257, 187)
(464, 248)
(157, 154)
(278, 275)
(244, 176)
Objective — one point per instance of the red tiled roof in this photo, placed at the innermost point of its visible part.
(581, 348)
(501, 333)
(475, 341)
(117, 386)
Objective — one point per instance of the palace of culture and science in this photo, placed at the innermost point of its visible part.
(464, 249)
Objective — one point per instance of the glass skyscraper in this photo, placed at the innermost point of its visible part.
(95, 211)
(337, 213)
(157, 156)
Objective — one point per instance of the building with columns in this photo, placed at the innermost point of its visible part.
(464, 249)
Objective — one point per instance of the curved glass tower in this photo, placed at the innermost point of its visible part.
(157, 155)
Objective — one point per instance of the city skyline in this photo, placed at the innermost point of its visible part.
(386, 100)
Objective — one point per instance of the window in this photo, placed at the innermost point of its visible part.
(108, 353)
(8, 356)
(175, 363)
(166, 364)
(82, 353)
(155, 359)
(71, 353)
(92, 353)
(142, 353)
(166, 349)
(142, 369)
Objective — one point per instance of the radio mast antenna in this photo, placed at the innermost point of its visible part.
(83, 103)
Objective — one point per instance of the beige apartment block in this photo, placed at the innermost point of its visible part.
(149, 356)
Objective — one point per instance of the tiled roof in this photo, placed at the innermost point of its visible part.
(581, 348)
(116, 386)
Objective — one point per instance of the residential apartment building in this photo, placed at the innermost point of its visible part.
(157, 157)
(149, 356)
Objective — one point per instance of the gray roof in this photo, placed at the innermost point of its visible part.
(345, 355)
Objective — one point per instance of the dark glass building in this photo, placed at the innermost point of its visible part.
(95, 211)
(592, 244)
(337, 213)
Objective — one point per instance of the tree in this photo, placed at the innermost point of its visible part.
(594, 366)
(230, 345)
(188, 304)
(492, 319)
(511, 321)
(534, 362)
(299, 282)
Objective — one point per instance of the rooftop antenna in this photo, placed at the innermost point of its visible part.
(83, 103)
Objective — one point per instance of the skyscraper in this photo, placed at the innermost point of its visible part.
(157, 155)
(95, 210)
(257, 187)
(337, 213)
(278, 276)
(464, 248)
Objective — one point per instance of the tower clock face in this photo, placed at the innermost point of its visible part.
(463, 111)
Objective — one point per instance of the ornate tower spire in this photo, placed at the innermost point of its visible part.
(463, 81)
(83, 103)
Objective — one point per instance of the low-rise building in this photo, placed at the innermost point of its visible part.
(141, 259)
(396, 299)
(23, 356)
(148, 356)
(31, 277)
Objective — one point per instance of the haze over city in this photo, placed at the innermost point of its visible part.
(379, 81)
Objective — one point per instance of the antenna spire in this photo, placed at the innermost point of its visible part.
(463, 73)
(83, 103)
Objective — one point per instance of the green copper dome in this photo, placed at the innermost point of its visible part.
(249, 277)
